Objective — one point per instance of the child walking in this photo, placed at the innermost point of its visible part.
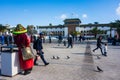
(105, 49)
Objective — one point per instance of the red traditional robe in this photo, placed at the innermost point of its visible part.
(23, 39)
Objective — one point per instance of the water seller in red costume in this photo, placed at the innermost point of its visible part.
(21, 38)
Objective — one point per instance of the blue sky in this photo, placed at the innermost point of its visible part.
(43, 12)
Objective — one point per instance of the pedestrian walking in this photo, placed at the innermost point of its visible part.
(70, 41)
(50, 39)
(39, 51)
(59, 39)
(105, 48)
(80, 38)
(99, 44)
(64, 42)
(2, 39)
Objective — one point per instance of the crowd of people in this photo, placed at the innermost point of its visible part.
(6, 39)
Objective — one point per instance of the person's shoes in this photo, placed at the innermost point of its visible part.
(105, 55)
(36, 64)
(46, 64)
(27, 72)
(93, 51)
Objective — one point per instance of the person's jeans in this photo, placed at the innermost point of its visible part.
(105, 53)
(100, 49)
(70, 44)
(41, 54)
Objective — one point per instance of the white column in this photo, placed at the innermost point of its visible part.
(66, 31)
(78, 29)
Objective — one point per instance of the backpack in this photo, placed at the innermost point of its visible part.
(35, 44)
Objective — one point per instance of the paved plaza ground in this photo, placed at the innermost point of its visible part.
(80, 66)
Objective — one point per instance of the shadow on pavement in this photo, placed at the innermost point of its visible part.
(88, 69)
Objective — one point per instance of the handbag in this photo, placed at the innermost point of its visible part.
(27, 53)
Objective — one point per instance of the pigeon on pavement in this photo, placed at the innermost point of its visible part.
(99, 69)
(68, 57)
(58, 57)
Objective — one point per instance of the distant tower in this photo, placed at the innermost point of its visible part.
(72, 24)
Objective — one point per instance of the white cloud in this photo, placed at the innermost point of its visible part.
(118, 10)
(84, 16)
(63, 16)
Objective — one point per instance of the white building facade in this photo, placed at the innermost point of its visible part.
(74, 25)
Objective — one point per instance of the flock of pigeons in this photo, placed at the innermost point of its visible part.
(57, 57)
(68, 57)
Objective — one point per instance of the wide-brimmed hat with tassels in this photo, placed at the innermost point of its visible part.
(19, 29)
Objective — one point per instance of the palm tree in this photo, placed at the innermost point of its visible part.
(75, 33)
(112, 25)
(3, 28)
(50, 24)
(115, 24)
(118, 27)
(31, 30)
(96, 22)
(96, 31)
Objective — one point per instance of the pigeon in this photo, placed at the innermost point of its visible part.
(53, 57)
(58, 57)
(100, 70)
(98, 57)
(68, 57)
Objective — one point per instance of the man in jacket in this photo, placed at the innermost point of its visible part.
(39, 51)
(70, 41)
